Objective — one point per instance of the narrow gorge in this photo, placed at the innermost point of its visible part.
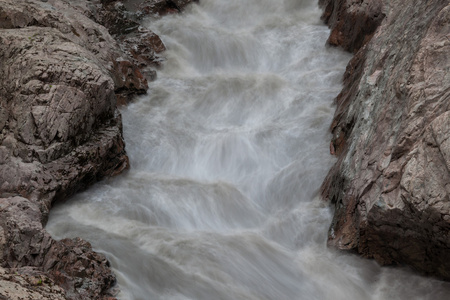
(229, 181)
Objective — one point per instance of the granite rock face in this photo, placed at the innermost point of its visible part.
(391, 133)
(64, 66)
(36, 286)
(69, 268)
(60, 131)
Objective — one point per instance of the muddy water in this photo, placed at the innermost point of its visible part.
(228, 151)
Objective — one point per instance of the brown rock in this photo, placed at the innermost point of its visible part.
(28, 283)
(60, 131)
(130, 79)
(58, 95)
(391, 184)
(144, 47)
(353, 22)
(28, 249)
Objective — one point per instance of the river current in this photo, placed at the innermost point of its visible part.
(228, 151)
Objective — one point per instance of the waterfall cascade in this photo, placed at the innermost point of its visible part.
(228, 151)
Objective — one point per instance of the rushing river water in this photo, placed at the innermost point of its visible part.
(228, 151)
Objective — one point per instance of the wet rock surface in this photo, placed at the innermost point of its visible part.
(61, 74)
(391, 133)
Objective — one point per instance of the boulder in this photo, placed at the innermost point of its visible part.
(61, 130)
(69, 268)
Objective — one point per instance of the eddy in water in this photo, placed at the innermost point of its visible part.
(228, 151)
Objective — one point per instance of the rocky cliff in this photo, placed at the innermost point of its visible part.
(61, 74)
(391, 132)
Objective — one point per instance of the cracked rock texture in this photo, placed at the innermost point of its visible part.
(64, 66)
(69, 268)
(60, 131)
(391, 132)
(23, 285)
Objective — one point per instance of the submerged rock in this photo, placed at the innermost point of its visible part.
(391, 133)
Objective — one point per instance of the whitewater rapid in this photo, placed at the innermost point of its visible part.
(228, 151)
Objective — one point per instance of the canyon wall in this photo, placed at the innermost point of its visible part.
(391, 132)
(64, 66)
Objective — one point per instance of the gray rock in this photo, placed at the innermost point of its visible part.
(60, 131)
(28, 284)
(28, 250)
(391, 184)
(58, 102)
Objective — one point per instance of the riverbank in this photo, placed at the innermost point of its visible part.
(62, 74)
(391, 184)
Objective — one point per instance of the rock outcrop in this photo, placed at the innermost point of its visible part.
(60, 131)
(36, 286)
(161, 7)
(64, 67)
(391, 133)
(61, 73)
(28, 250)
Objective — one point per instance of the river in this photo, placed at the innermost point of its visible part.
(228, 151)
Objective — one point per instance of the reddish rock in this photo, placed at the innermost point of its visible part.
(144, 47)
(391, 133)
(61, 74)
(130, 81)
(141, 48)
(162, 7)
(29, 250)
(60, 131)
(28, 283)
(353, 22)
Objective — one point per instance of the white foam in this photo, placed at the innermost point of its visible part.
(228, 151)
